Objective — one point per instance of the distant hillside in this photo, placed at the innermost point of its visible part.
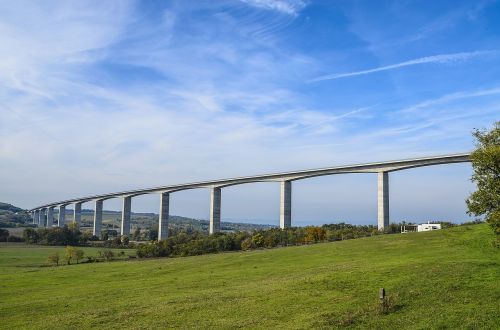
(12, 216)
(150, 221)
(9, 207)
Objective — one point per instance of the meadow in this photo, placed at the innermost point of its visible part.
(448, 279)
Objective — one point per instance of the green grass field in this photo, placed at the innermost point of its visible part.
(447, 279)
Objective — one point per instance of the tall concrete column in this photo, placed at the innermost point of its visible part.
(62, 216)
(77, 214)
(163, 221)
(383, 200)
(50, 216)
(215, 203)
(126, 208)
(34, 215)
(41, 218)
(286, 205)
(97, 218)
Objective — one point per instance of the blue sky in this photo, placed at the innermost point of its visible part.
(101, 96)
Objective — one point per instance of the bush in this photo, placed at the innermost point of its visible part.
(14, 239)
(189, 243)
(79, 254)
(54, 236)
(107, 254)
(30, 236)
(4, 234)
(247, 244)
(69, 254)
(124, 240)
(54, 258)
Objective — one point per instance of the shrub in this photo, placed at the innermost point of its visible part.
(247, 244)
(79, 255)
(30, 236)
(14, 239)
(4, 234)
(124, 240)
(54, 258)
(69, 254)
(108, 255)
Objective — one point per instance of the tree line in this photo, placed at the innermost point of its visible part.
(196, 243)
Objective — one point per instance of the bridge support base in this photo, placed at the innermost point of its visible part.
(163, 220)
(286, 205)
(35, 217)
(77, 214)
(97, 218)
(50, 216)
(62, 216)
(215, 203)
(126, 210)
(41, 218)
(383, 200)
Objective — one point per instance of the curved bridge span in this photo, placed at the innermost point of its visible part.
(285, 179)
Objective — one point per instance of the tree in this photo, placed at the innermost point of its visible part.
(70, 254)
(54, 258)
(79, 255)
(246, 244)
(73, 226)
(486, 165)
(153, 234)
(124, 240)
(4, 234)
(106, 254)
(137, 234)
(117, 241)
(30, 235)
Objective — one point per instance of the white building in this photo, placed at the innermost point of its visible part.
(428, 226)
(422, 227)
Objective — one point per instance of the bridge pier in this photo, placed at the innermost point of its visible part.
(383, 200)
(126, 209)
(286, 204)
(215, 203)
(62, 216)
(77, 214)
(50, 216)
(41, 218)
(97, 218)
(35, 216)
(163, 217)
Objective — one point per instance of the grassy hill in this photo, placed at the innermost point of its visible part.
(443, 279)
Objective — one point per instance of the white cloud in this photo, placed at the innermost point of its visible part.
(452, 97)
(440, 59)
(290, 7)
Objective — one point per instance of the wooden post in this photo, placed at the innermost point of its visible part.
(382, 294)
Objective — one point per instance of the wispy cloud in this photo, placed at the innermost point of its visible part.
(290, 7)
(440, 59)
(452, 97)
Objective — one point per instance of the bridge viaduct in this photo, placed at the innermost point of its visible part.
(382, 169)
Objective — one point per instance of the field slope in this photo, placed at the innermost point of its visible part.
(443, 279)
